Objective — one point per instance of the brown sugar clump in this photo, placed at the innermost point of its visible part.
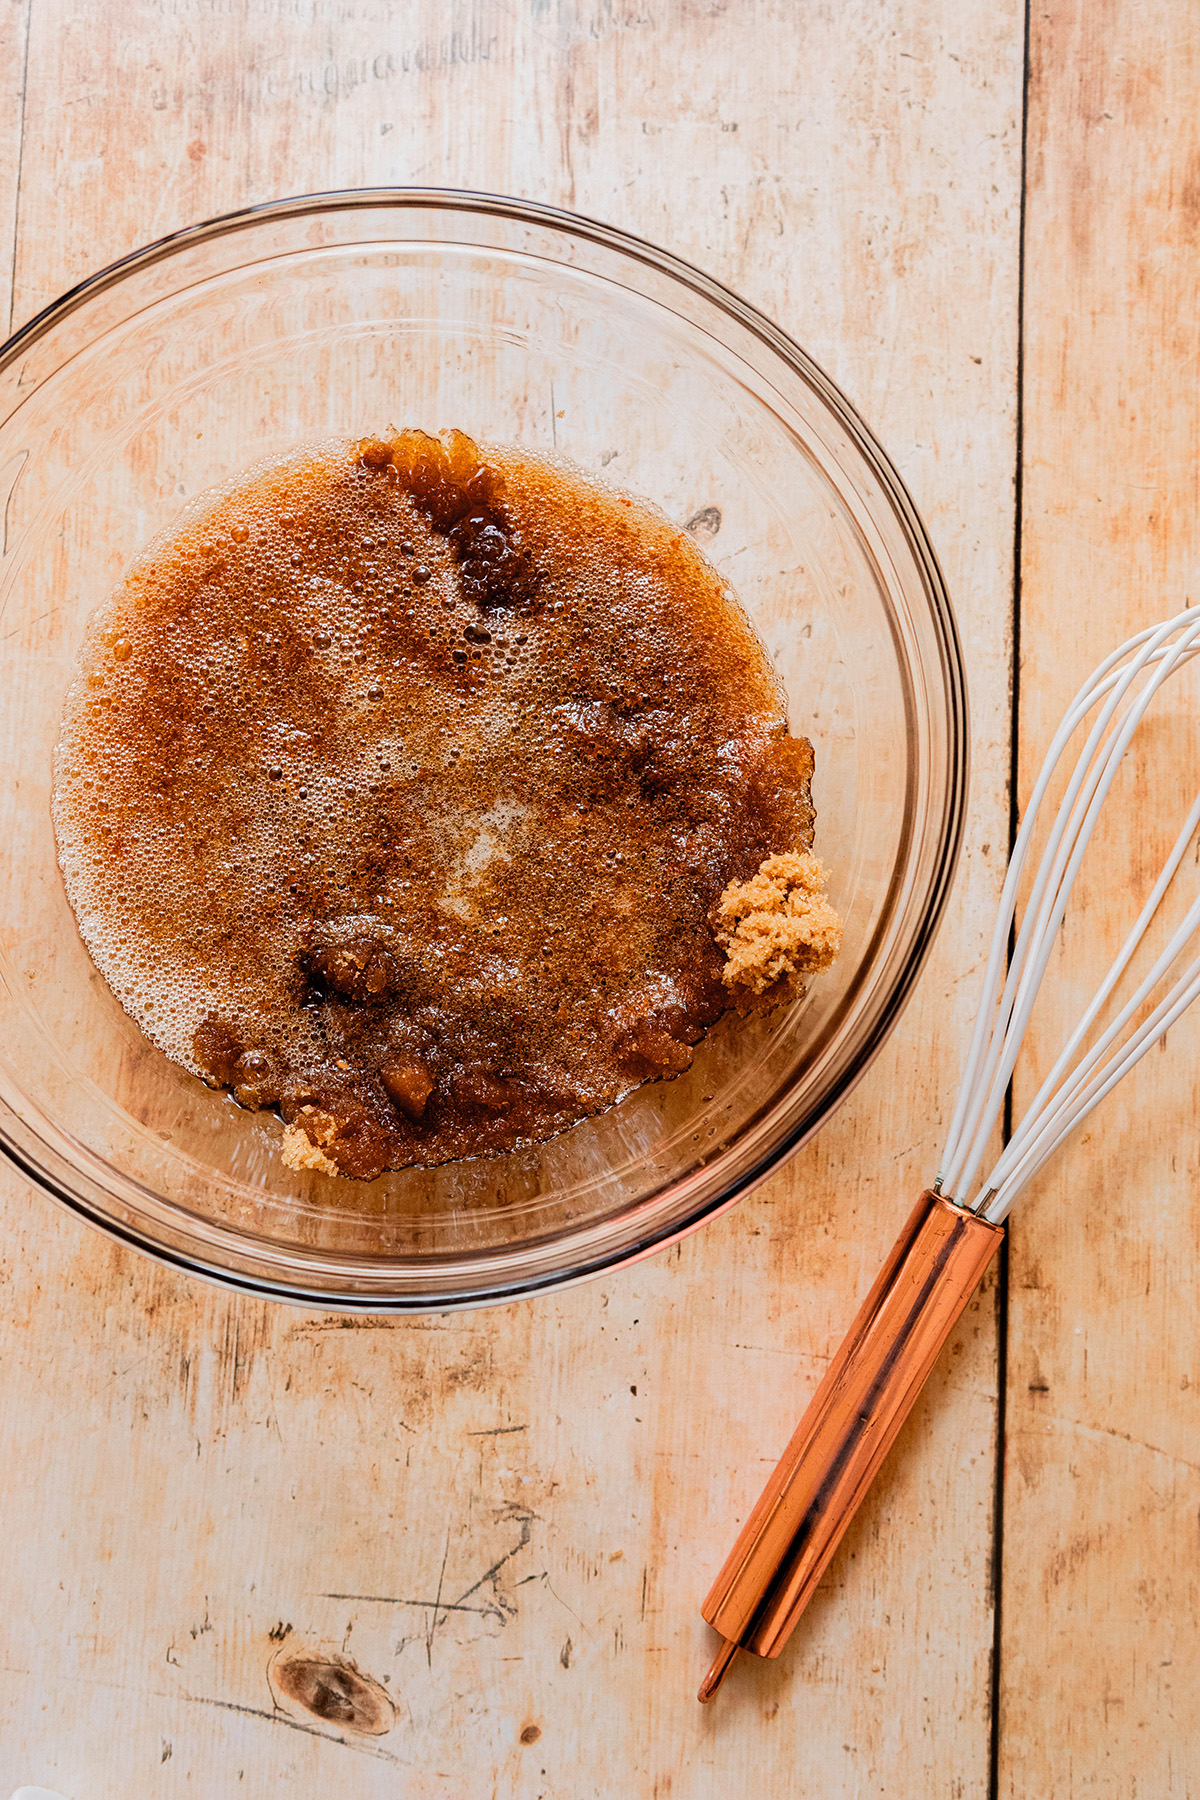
(401, 786)
(778, 927)
(298, 1151)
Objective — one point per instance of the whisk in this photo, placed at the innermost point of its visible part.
(951, 1237)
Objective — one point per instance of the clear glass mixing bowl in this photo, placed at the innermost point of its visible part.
(340, 313)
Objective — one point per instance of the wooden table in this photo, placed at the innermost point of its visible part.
(985, 224)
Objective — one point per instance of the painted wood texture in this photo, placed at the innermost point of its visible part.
(1101, 1581)
(507, 1520)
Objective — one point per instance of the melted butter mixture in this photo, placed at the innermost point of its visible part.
(401, 785)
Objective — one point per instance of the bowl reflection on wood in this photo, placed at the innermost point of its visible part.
(339, 314)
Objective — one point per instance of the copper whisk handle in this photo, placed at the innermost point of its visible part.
(852, 1422)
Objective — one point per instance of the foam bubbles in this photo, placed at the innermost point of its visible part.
(305, 720)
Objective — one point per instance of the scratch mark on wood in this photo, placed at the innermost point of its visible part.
(433, 1617)
(544, 1578)
(1103, 1433)
(40, 620)
(11, 479)
(438, 1605)
(278, 1718)
(526, 1533)
(499, 1607)
(118, 1375)
(12, 302)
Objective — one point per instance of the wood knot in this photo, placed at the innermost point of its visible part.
(704, 524)
(530, 1734)
(335, 1692)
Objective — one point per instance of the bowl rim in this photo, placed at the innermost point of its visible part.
(951, 827)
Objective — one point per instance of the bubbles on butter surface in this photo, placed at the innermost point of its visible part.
(288, 711)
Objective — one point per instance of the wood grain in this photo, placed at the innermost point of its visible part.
(14, 46)
(508, 1520)
(1100, 1663)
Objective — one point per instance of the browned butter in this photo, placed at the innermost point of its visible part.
(399, 788)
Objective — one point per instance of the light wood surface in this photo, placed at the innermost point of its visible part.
(507, 1520)
(1101, 1579)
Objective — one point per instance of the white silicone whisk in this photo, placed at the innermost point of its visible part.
(958, 1224)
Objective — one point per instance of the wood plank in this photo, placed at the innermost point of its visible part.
(1101, 1668)
(14, 44)
(201, 1481)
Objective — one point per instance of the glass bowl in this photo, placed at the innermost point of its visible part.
(338, 314)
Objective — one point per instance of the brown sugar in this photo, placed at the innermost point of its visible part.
(778, 927)
(402, 788)
(302, 1139)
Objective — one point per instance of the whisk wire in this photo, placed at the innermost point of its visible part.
(1064, 855)
(1051, 1084)
(987, 1037)
(1068, 1094)
(1038, 1137)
